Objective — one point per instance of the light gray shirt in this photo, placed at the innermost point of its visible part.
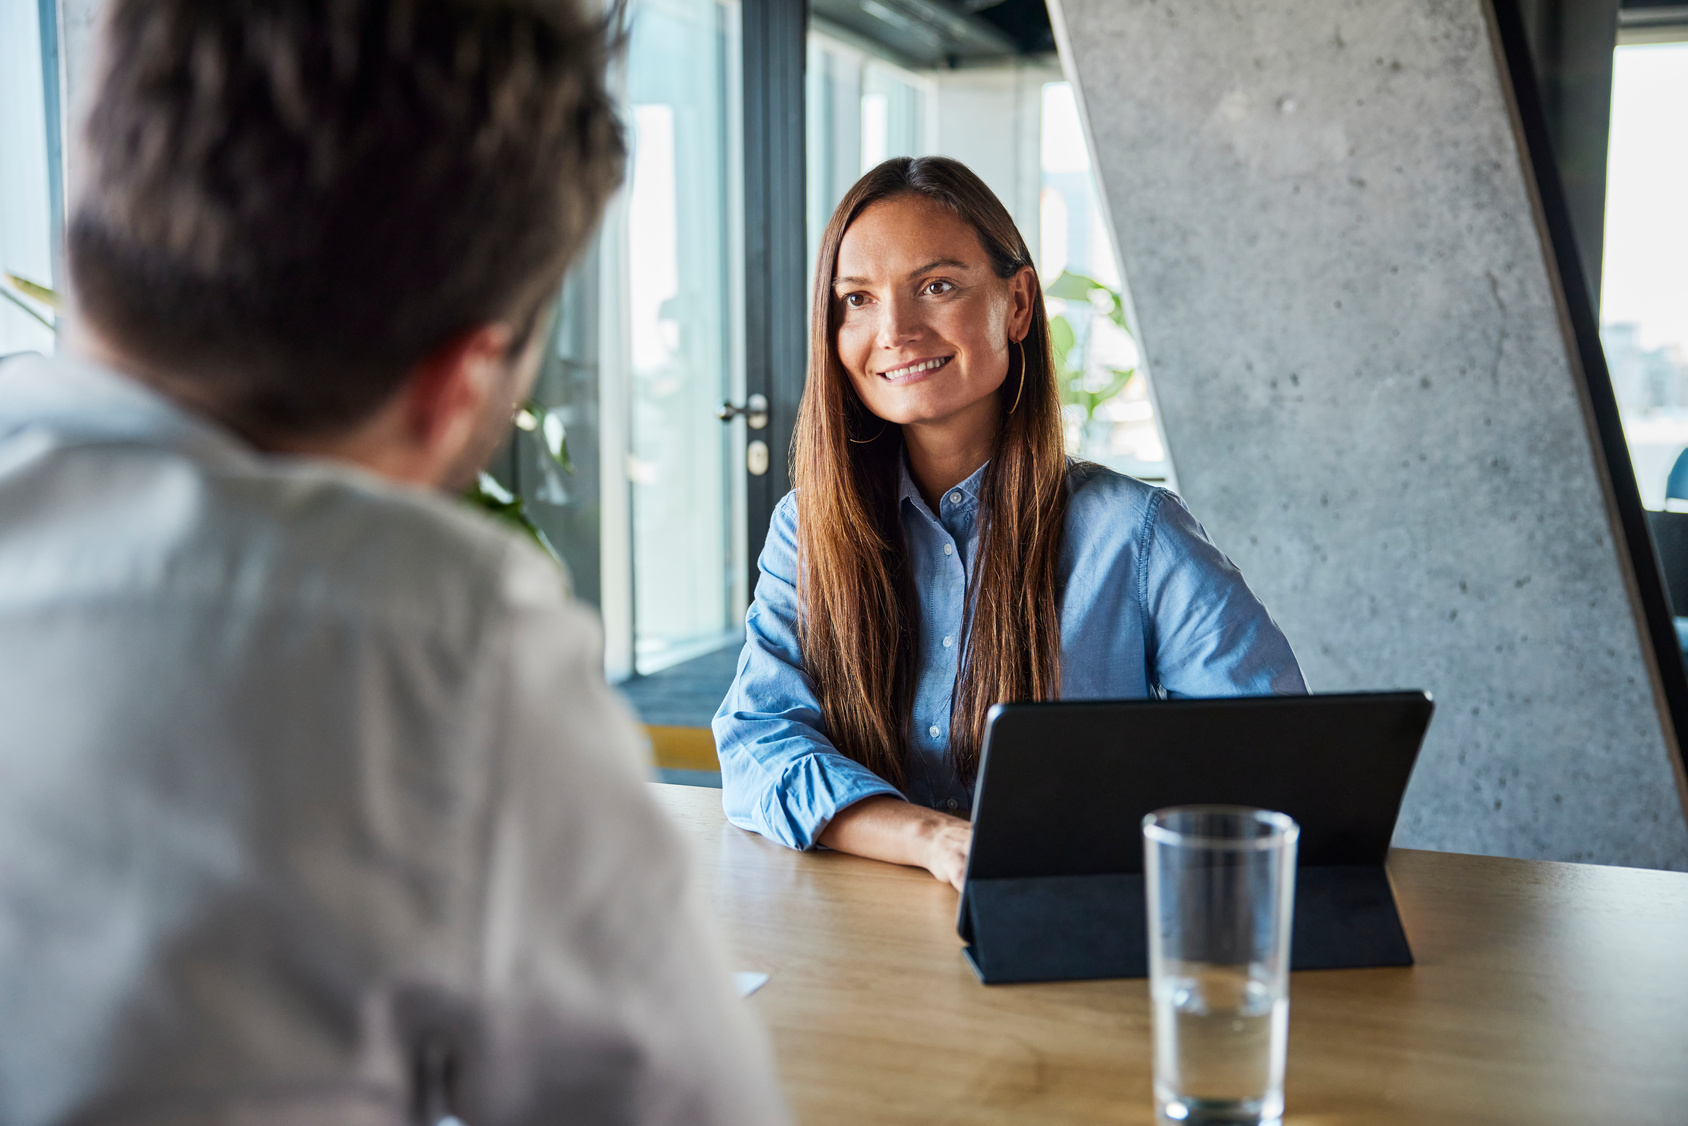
(314, 805)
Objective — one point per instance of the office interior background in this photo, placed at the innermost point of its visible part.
(748, 120)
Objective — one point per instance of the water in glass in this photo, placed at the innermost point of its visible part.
(1219, 1045)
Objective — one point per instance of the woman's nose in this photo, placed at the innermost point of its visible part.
(899, 323)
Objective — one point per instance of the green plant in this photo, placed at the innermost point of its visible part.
(34, 290)
(532, 421)
(1081, 386)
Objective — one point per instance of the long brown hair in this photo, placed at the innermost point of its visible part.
(859, 616)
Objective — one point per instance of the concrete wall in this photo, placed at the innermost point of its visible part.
(1331, 248)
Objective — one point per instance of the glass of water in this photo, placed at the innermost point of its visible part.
(1221, 888)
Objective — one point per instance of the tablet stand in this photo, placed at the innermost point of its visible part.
(1076, 928)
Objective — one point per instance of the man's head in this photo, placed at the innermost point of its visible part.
(323, 219)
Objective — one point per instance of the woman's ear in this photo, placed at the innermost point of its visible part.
(1022, 297)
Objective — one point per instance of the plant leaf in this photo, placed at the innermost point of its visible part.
(1073, 287)
(491, 497)
(1117, 313)
(489, 494)
(1061, 339)
(547, 428)
(34, 289)
(554, 436)
(1120, 381)
(20, 303)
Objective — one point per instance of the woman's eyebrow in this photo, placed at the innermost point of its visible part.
(935, 264)
(939, 263)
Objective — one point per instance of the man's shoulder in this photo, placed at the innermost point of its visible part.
(112, 496)
(381, 543)
(126, 520)
(328, 539)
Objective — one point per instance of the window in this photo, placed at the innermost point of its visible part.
(28, 128)
(1644, 276)
(1120, 431)
(862, 111)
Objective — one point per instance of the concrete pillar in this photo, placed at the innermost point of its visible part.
(1340, 287)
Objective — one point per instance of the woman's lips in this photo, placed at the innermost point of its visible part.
(909, 372)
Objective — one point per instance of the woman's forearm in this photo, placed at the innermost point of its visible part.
(899, 832)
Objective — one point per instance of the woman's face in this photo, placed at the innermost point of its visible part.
(924, 323)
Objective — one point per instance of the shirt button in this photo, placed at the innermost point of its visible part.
(953, 804)
(948, 641)
(949, 549)
(933, 731)
(955, 498)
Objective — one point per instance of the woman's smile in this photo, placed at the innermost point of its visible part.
(914, 370)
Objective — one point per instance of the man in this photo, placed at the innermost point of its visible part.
(314, 807)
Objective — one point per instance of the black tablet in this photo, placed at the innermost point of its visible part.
(1054, 887)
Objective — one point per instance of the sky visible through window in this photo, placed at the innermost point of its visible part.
(1644, 274)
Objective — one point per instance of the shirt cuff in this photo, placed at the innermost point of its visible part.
(812, 791)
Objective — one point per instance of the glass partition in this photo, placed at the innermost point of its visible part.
(647, 506)
(684, 317)
(565, 494)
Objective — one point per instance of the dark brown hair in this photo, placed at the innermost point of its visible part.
(858, 605)
(288, 204)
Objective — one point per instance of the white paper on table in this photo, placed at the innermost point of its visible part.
(748, 982)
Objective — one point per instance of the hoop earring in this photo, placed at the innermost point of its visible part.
(875, 438)
(1021, 389)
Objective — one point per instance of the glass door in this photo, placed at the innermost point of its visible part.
(684, 316)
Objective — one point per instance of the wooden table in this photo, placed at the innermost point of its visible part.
(1543, 993)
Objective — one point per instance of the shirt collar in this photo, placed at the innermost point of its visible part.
(88, 401)
(907, 490)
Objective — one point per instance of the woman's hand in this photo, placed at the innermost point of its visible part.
(946, 851)
(891, 829)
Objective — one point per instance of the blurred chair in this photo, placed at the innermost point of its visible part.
(684, 755)
(1670, 542)
(1676, 485)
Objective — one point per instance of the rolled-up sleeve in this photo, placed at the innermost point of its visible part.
(780, 775)
(1208, 633)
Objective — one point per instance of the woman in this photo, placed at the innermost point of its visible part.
(940, 553)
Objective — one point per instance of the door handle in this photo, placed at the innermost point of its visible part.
(755, 412)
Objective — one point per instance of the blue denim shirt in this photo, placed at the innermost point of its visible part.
(1149, 607)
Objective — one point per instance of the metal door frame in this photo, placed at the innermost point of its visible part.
(775, 38)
